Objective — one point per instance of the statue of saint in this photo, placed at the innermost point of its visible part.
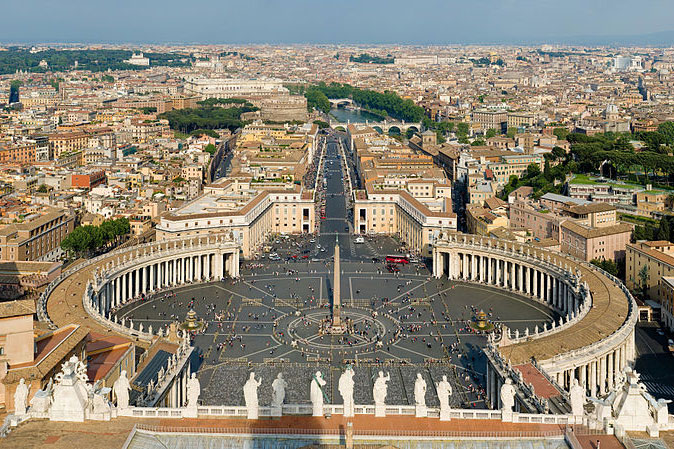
(21, 397)
(316, 393)
(507, 396)
(193, 390)
(279, 391)
(444, 392)
(420, 391)
(345, 386)
(380, 388)
(121, 389)
(577, 398)
(250, 396)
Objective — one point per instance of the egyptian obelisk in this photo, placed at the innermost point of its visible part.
(336, 299)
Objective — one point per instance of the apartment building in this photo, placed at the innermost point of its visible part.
(60, 143)
(37, 237)
(588, 243)
(491, 119)
(649, 267)
(248, 211)
(398, 212)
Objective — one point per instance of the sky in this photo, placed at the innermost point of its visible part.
(335, 21)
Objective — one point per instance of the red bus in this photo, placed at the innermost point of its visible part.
(397, 259)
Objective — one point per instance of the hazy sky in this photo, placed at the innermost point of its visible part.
(328, 21)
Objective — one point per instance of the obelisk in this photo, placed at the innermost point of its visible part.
(336, 299)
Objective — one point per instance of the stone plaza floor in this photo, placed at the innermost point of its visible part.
(403, 324)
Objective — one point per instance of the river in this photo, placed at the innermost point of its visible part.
(344, 115)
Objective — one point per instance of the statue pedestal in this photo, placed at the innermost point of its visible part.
(317, 410)
(190, 412)
(507, 416)
(70, 400)
(276, 411)
(379, 411)
(253, 413)
(421, 411)
(336, 329)
(445, 414)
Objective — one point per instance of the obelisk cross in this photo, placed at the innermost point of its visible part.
(336, 300)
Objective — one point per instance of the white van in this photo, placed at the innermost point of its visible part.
(360, 239)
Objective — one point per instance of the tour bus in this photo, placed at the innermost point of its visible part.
(398, 258)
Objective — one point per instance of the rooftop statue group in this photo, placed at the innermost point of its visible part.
(345, 386)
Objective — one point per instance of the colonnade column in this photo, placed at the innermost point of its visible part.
(602, 375)
(593, 378)
(152, 277)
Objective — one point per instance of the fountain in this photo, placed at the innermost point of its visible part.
(480, 322)
(192, 322)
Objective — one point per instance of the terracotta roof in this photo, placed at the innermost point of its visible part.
(17, 308)
(590, 233)
(51, 351)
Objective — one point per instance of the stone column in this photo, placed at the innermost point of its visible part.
(498, 272)
(152, 270)
(602, 375)
(513, 280)
(583, 376)
(534, 272)
(610, 364)
(593, 378)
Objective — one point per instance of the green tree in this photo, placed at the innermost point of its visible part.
(491, 132)
(210, 149)
(607, 265)
(663, 230)
(43, 188)
(561, 133)
(643, 281)
(462, 129)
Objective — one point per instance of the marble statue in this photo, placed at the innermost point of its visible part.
(316, 393)
(507, 396)
(379, 392)
(121, 389)
(420, 397)
(39, 405)
(661, 411)
(250, 396)
(577, 398)
(193, 391)
(279, 391)
(345, 386)
(444, 390)
(380, 388)
(21, 397)
(420, 391)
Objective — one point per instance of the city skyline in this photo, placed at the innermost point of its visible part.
(347, 22)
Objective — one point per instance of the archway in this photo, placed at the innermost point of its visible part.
(340, 128)
(394, 130)
(378, 129)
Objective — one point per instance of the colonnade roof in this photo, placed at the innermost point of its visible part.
(64, 304)
(609, 311)
(610, 308)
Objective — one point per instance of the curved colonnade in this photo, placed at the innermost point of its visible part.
(111, 280)
(594, 339)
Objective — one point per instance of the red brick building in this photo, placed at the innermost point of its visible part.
(88, 180)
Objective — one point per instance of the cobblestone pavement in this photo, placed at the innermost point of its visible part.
(269, 321)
